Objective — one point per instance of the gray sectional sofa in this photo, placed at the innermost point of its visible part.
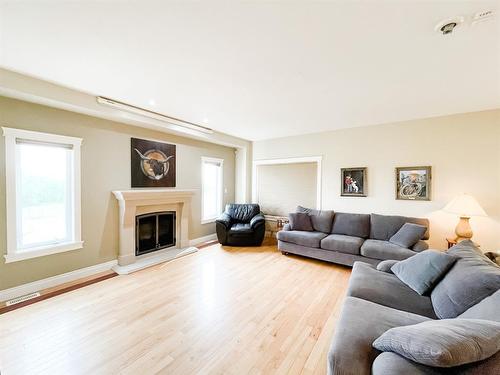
(377, 301)
(345, 238)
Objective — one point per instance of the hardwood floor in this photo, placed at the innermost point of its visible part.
(222, 310)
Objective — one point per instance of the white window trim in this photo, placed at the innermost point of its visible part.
(13, 254)
(204, 159)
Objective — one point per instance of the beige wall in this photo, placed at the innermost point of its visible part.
(463, 150)
(281, 186)
(105, 167)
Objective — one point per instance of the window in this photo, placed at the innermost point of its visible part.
(212, 188)
(43, 194)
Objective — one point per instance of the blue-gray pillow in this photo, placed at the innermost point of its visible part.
(321, 220)
(300, 221)
(422, 271)
(385, 265)
(408, 235)
(443, 343)
(473, 278)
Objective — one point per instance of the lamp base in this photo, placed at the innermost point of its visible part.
(463, 229)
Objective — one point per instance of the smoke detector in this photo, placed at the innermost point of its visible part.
(481, 17)
(447, 26)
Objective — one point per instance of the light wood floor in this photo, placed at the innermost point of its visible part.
(221, 310)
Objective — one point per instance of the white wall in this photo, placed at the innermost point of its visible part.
(281, 186)
(105, 167)
(463, 150)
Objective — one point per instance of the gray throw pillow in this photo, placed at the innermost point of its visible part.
(300, 221)
(443, 343)
(471, 279)
(385, 265)
(320, 220)
(422, 271)
(408, 235)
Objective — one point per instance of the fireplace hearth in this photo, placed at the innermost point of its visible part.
(154, 231)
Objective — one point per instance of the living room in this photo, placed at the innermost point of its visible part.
(250, 187)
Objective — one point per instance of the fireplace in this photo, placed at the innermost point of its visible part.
(162, 217)
(154, 231)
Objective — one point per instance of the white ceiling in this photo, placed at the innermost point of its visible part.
(258, 69)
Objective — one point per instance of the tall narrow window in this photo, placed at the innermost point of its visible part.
(212, 188)
(43, 193)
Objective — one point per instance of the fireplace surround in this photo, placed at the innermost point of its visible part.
(139, 203)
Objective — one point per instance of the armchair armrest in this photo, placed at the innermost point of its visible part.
(225, 220)
(287, 227)
(256, 220)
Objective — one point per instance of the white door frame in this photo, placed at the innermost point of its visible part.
(305, 159)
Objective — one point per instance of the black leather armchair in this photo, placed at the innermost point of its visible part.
(241, 225)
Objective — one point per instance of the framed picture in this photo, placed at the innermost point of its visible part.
(353, 182)
(152, 163)
(413, 183)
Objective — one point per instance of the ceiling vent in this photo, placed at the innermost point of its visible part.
(449, 25)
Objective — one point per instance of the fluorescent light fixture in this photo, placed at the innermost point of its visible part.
(151, 114)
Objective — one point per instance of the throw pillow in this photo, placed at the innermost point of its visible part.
(472, 278)
(300, 221)
(443, 343)
(408, 235)
(385, 265)
(422, 271)
(320, 220)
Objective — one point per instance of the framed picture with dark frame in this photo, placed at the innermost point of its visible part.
(413, 183)
(353, 182)
(152, 163)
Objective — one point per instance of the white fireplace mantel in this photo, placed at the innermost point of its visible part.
(138, 202)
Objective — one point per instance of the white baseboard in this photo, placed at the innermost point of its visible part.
(50, 282)
(197, 241)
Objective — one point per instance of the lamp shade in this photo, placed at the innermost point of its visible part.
(465, 205)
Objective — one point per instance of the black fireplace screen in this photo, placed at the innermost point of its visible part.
(154, 232)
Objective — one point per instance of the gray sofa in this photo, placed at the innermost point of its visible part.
(470, 289)
(345, 238)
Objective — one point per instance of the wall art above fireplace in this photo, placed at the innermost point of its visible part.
(152, 163)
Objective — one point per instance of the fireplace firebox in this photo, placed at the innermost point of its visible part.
(154, 231)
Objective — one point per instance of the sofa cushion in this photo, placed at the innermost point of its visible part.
(383, 227)
(342, 243)
(472, 278)
(389, 363)
(357, 225)
(360, 323)
(422, 271)
(408, 235)
(420, 246)
(386, 289)
(300, 221)
(488, 309)
(310, 239)
(383, 250)
(321, 220)
(443, 343)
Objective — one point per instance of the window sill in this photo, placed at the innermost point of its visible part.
(208, 221)
(15, 256)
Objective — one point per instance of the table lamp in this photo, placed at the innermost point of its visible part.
(465, 206)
